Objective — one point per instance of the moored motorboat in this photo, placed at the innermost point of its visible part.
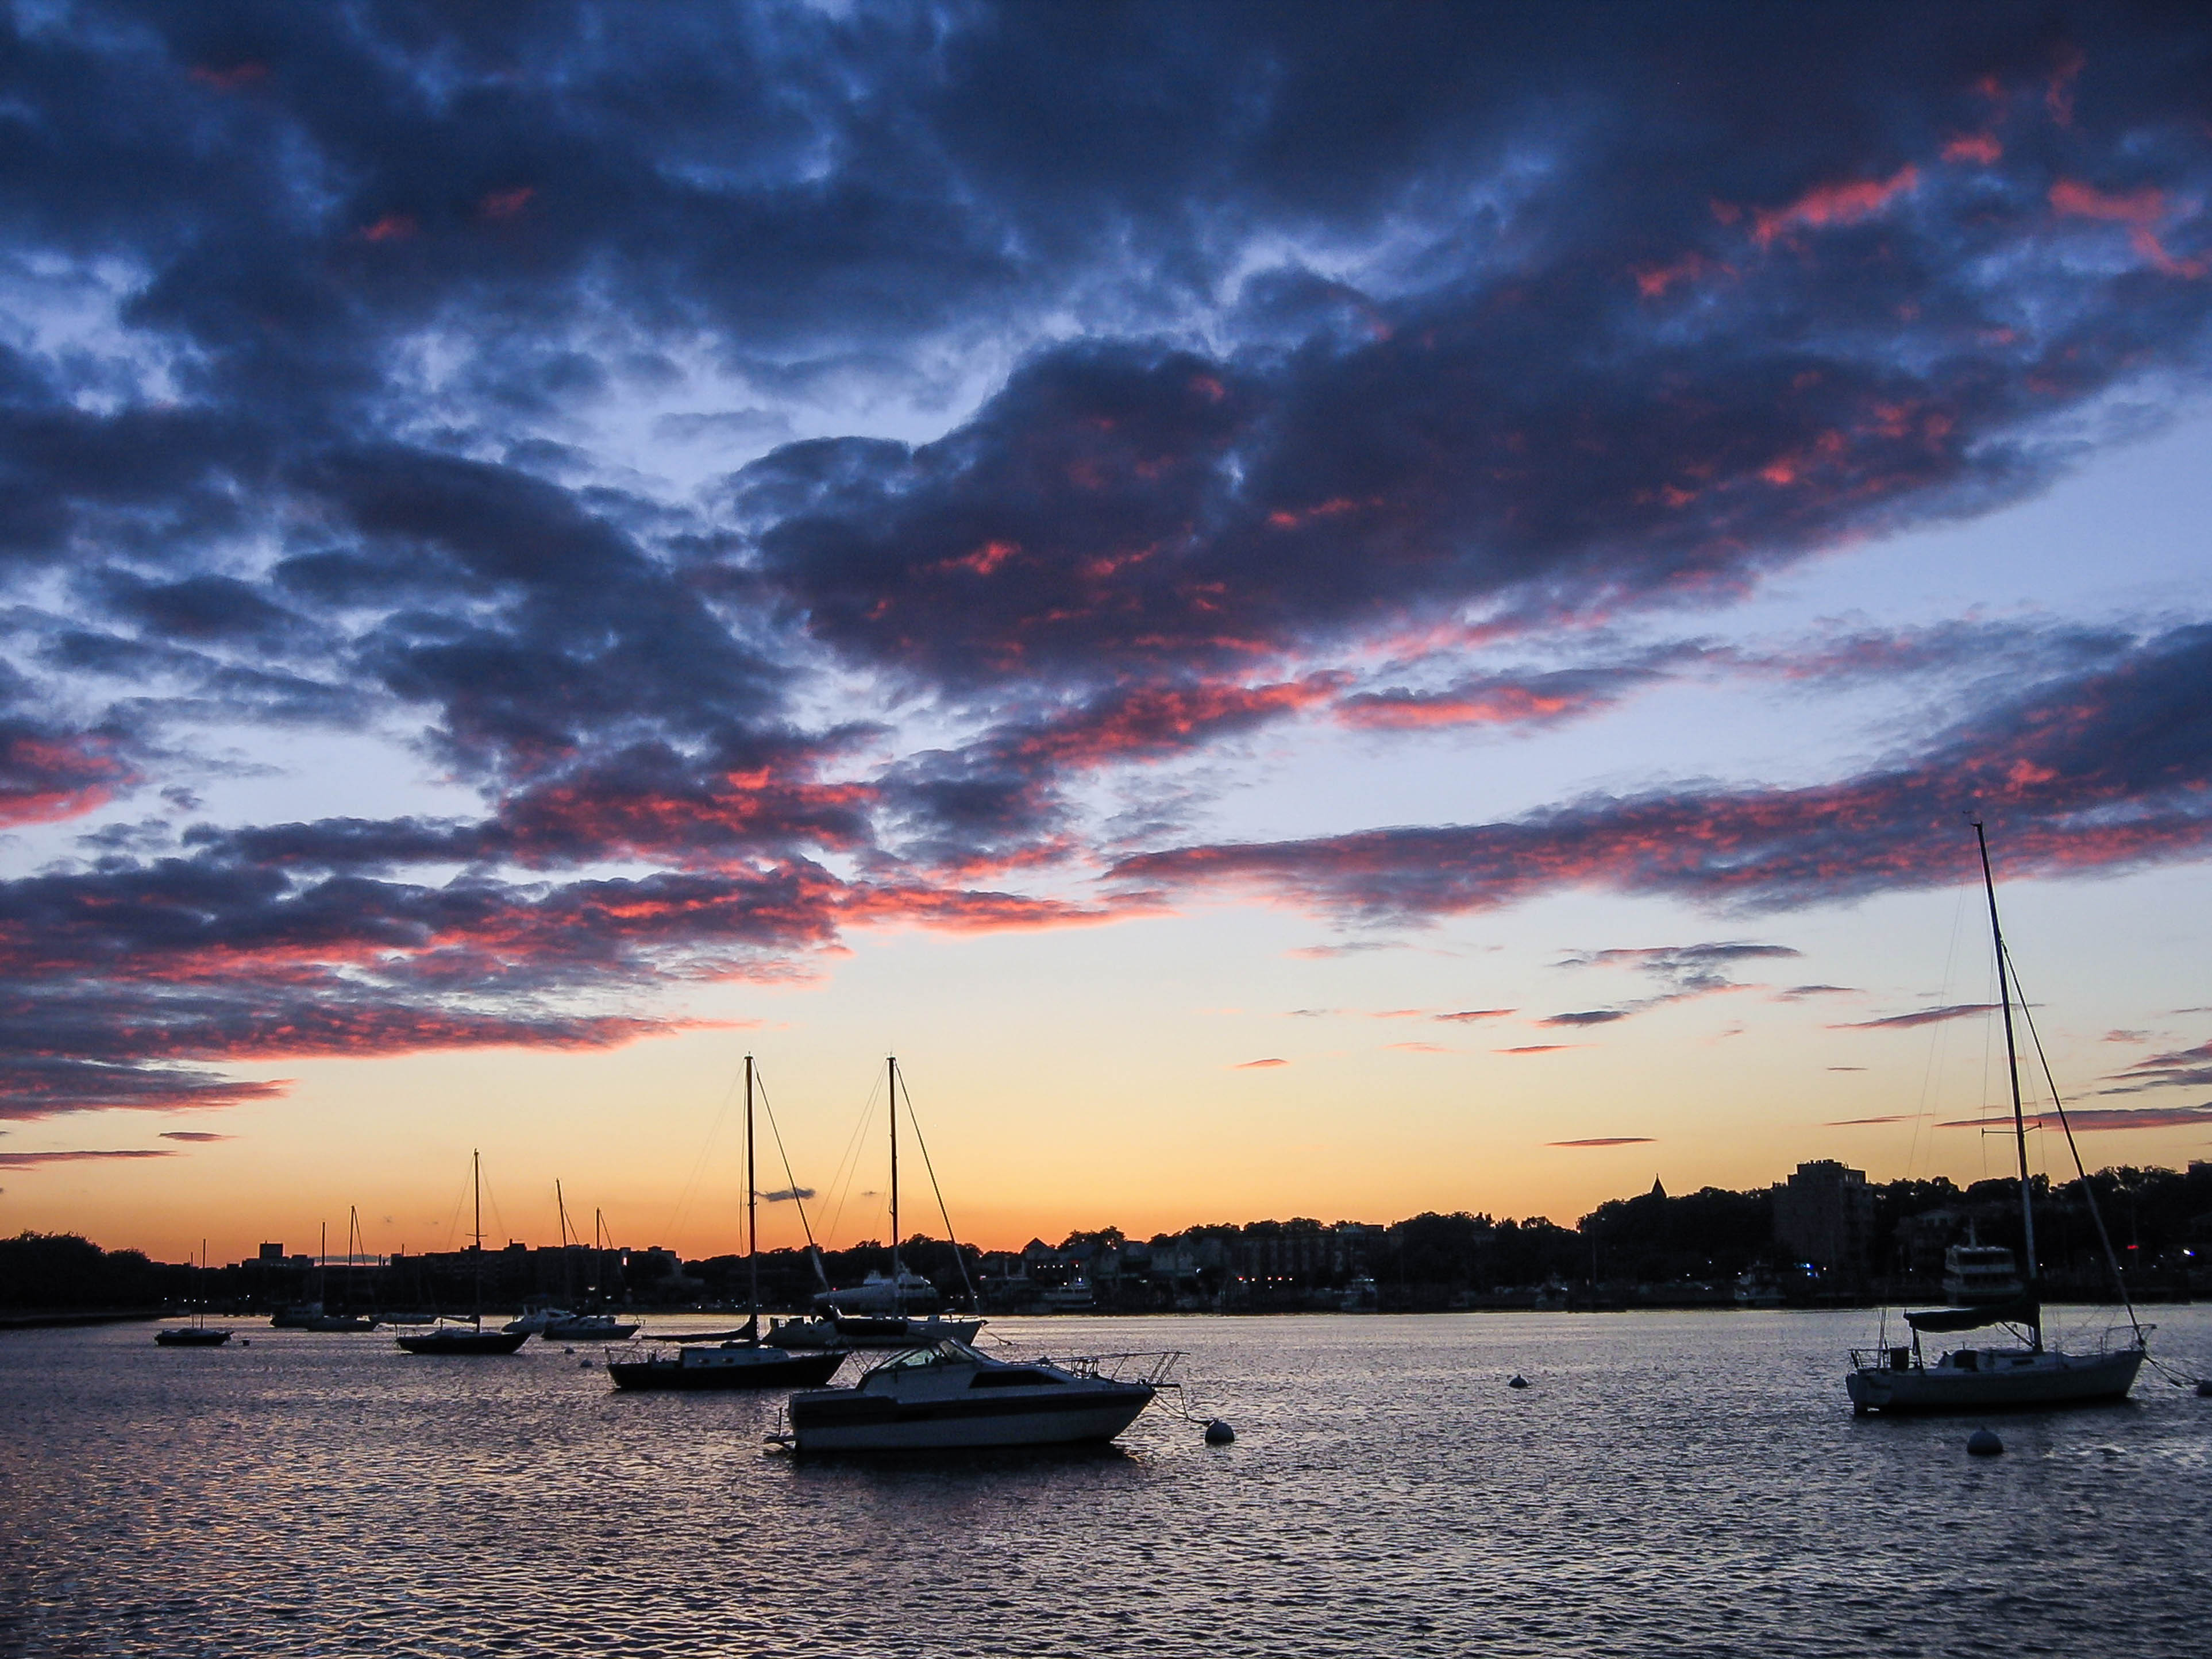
(589, 1327)
(2026, 1371)
(949, 1397)
(1977, 1275)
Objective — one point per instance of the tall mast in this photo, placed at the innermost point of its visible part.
(752, 1211)
(567, 1262)
(891, 1083)
(2012, 1075)
(476, 1182)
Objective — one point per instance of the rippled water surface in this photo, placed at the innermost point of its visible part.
(1685, 1483)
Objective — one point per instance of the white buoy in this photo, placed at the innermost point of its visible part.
(1982, 1443)
(1219, 1433)
(1518, 1382)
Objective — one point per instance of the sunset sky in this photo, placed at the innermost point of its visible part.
(1309, 610)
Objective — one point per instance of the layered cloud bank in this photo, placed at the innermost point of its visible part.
(784, 474)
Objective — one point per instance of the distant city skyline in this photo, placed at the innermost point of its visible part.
(1308, 612)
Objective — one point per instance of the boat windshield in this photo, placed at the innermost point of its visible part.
(944, 1351)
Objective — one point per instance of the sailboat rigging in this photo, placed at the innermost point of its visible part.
(877, 1313)
(2031, 1371)
(199, 1334)
(743, 1362)
(471, 1338)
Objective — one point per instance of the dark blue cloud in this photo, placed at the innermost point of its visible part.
(1407, 329)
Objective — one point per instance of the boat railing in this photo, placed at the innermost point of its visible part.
(1153, 1366)
(1895, 1357)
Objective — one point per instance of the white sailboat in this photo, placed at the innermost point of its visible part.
(2025, 1369)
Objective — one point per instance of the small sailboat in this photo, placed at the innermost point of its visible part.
(562, 1323)
(453, 1337)
(2024, 1369)
(743, 1362)
(199, 1334)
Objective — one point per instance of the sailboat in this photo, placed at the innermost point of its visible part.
(198, 1334)
(2025, 1369)
(879, 1313)
(745, 1362)
(454, 1337)
(326, 1321)
(560, 1324)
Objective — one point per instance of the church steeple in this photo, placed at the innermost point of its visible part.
(1657, 1191)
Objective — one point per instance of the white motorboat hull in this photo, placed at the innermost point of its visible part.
(2045, 1379)
(950, 1398)
(1074, 1424)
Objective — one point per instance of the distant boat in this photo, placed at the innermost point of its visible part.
(589, 1327)
(2023, 1370)
(191, 1336)
(1980, 1275)
(454, 1338)
(949, 1397)
(534, 1322)
(870, 1331)
(1755, 1287)
(742, 1361)
(199, 1334)
(1074, 1297)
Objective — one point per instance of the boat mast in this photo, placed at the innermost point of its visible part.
(568, 1260)
(752, 1213)
(476, 1180)
(898, 1289)
(2012, 1074)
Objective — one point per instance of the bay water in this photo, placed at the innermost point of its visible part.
(1679, 1483)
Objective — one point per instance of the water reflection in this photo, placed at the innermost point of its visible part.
(1669, 1481)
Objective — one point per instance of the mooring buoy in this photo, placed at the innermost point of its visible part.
(1518, 1382)
(1983, 1443)
(1219, 1433)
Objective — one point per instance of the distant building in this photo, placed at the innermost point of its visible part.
(272, 1252)
(1823, 1214)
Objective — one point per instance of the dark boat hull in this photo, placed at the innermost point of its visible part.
(461, 1342)
(795, 1370)
(185, 1336)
